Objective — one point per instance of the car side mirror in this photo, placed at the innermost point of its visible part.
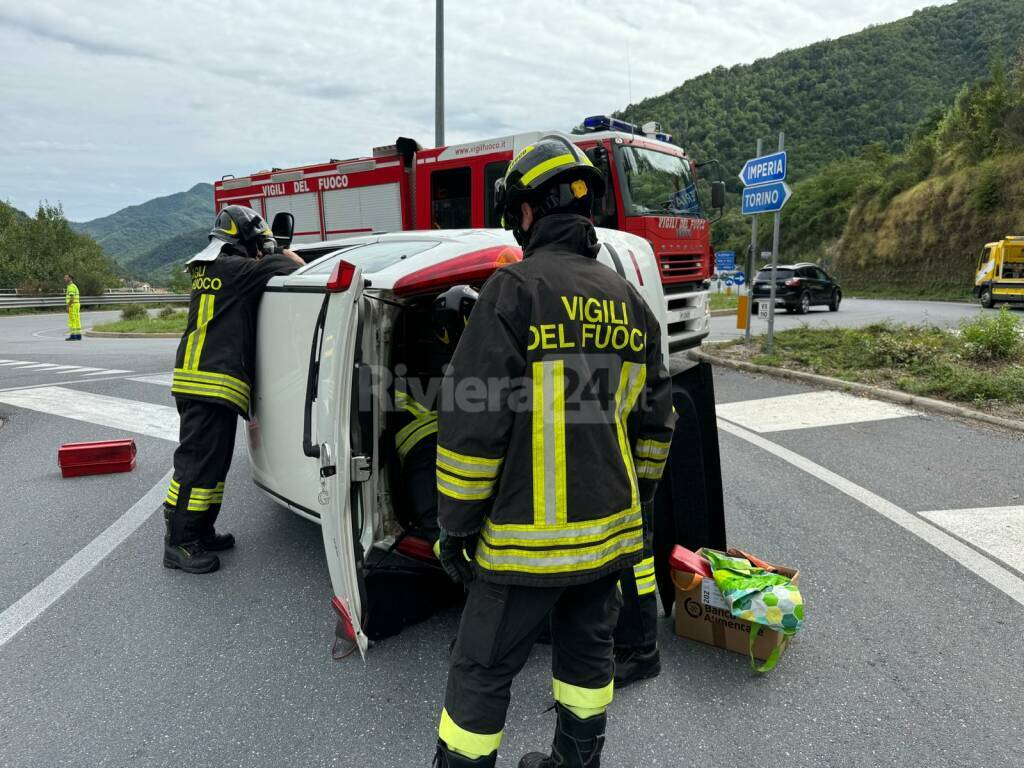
(718, 195)
(283, 228)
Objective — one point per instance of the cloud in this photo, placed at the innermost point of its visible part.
(107, 104)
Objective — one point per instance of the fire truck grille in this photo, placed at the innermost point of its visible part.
(680, 266)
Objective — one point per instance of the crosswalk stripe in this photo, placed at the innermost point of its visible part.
(12, 362)
(808, 410)
(162, 379)
(40, 365)
(113, 412)
(997, 530)
(107, 372)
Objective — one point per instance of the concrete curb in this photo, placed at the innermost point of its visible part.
(111, 335)
(722, 312)
(868, 390)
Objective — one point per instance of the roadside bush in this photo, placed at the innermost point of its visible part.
(167, 312)
(134, 312)
(903, 347)
(992, 337)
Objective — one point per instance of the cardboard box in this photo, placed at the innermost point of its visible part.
(703, 615)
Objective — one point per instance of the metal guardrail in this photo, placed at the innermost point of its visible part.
(40, 301)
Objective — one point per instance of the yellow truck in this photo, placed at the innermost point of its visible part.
(1000, 275)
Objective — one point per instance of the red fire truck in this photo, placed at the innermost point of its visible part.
(651, 182)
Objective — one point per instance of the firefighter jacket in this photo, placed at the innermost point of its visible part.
(413, 421)
(555, 416)
(215, 359)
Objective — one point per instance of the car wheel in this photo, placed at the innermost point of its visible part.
(805, 303)
(986, 298)
(833, 304)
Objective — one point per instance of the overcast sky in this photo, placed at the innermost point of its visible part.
(108, 103)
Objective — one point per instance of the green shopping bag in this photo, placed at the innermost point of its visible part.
(765, 599)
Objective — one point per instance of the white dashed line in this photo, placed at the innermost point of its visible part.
(51, 589)
(109, 372)
(1002, 579)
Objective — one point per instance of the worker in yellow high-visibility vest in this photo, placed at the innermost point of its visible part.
(73, 304)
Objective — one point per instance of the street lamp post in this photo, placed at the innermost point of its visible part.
(439, 76)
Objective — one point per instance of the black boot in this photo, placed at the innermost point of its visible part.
(208, 537)
(577, 743)
(633, 664)
(445, 758)
(188, 556)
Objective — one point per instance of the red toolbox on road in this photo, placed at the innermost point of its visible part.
(99, 458)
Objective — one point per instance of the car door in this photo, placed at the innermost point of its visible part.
(287, 313)
(825, 285)
(346, 522)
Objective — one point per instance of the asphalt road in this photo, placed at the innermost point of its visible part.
(910, 655)
(857, 312)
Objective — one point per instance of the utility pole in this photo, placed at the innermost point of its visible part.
(439, 76)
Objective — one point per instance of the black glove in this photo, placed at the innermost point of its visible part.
(454, 554)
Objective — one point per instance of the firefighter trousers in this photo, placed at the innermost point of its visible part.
(638, 621)
(419, 478)
(499, 626)
(206, 443)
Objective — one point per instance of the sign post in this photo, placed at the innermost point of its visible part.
(766, 191)
(775, 258)
(750, 263)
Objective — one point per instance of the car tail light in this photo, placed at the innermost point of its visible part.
(793, 282)
(341, 277)
(471, 268)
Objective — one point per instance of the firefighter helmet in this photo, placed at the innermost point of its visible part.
(451, 313)
(243, 230)
(552, 175)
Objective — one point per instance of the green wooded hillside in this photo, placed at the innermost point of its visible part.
(837, 96)
(35, 252)
(133, 231)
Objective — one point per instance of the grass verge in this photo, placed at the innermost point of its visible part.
(173, 324)
(723, 301)
(981, 365)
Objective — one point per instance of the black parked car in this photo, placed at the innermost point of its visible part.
(798, 287)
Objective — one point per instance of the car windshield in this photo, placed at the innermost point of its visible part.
(765, 275)
(372, 257)
(658, 183)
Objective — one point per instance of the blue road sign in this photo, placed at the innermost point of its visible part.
(762, 170)
(729, 282)
(765, 198)
(725, 261)
(739, 278)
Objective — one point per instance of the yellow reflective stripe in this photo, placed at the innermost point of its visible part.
(580, 533)
(407, 402)
(553, 561)
(464, 464)
(411, 434)
(187, 361)
(547, 165)
(467, 743)
(644, 567)
(538, 444)
(646, 586)
(203, 322)
(652, 449)
(210, 390)
(631, 381)
(558, 385)
(464, 490)
(576, 696)
(210, 377)
(650, 470)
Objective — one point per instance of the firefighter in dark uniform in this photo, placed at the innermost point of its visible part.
(414, 421)
(554, 415)
(213, 379)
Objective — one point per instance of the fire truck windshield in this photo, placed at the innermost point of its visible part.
(657, 183)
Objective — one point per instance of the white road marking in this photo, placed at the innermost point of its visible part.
(117, 413)
(25, 365)
(999, 577)
(47, 592)
(39, 365)
(163, 379)
(107, 372)
(12, 362)
(998, 530)
(808, 410)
